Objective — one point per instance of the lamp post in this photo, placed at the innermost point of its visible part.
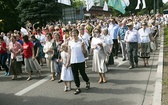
(154, 7)
(157, 6)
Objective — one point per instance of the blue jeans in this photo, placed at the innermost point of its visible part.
(3, 58)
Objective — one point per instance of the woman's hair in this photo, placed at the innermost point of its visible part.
(56, 34)
(49, 34)
(75, 30)
(97, 30)
(105, 30)
(65, 46)
(26, 38)
(33, 37)
(13, 36)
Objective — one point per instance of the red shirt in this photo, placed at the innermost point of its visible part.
(3, 45)
(61, 34)
(27, 49)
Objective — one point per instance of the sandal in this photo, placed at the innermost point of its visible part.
(87, 85)
(60, 81)
(28, 79)
(77, 91)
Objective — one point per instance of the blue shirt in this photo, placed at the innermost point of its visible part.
(122, 31)
(114, 31)
(21, 42)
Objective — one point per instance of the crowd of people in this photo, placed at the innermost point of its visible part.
(66, 48)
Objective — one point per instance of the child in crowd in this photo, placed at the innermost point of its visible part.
(66, 74)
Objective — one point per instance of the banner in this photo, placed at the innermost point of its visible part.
(66, 2)
(105, 8)
(118, 5)
(89, 4)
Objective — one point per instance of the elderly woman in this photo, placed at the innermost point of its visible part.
(56, 45)
(48, 50)
(145, 36)
(99, 55)
(16, 65)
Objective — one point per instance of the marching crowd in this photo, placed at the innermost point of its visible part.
(66, 48)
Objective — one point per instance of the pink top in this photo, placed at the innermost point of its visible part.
(15, 49)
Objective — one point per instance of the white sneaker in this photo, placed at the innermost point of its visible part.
(65, 89)
(68, 89)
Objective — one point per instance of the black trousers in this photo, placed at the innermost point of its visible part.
(76, 68)
(115, 47)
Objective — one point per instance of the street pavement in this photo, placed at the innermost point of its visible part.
(124, 87)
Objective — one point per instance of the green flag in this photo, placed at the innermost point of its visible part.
(118, 5)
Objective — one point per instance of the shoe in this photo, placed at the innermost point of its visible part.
(123, 59)
(77, 91)
(60, 81)
(52, 79)
(87, 85)
(136, 65)
(6, 73)
(65, 89)
(14, 77)
(28, 79)
(68, 89)
(131, 67)
(104, 81)
(100, 81)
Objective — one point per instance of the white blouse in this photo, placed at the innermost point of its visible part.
(77, 55)
(46, 48)
(144, 35)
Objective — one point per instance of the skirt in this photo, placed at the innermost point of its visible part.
(15, 67)
(145, 50)
(31, 65)
(66, 74)
(99, 64)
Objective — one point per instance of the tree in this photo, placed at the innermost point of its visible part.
(39, 11)
(8, 15)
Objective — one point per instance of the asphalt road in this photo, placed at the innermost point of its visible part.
(123, 87)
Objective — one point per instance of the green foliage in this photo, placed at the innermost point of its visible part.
(39, 11)
(77, 4)
(8, 15)
(165, 6)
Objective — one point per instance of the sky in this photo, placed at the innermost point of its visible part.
(164, 1)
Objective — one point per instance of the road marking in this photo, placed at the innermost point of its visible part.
(119, 61)
(20, 93)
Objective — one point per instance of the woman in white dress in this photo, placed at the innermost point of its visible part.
(98, 56)
(48, 50)
(66, 73)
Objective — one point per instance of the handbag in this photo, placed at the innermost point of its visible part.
(19, 58)
(107, 59)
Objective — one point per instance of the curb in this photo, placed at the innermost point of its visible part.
(158, 83)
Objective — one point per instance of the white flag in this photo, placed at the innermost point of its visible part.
(127, 2)
(105, 8)
(138, 4)
(144, 4)
(66, 2)
(89, 4)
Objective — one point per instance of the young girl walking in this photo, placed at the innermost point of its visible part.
(66, 74)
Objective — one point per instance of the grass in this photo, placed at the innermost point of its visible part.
(165, 70)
